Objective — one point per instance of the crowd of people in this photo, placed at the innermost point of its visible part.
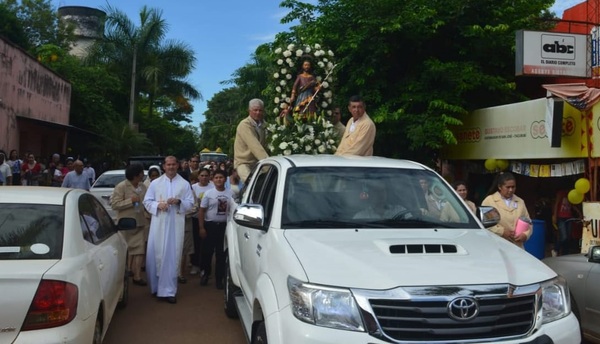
(181, 208)
(55, 171)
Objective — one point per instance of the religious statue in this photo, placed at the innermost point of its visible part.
(305, 89)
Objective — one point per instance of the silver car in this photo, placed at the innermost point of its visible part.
(582, 272)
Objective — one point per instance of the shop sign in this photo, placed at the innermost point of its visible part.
(519, 131)
(591, 225)
(553, 54)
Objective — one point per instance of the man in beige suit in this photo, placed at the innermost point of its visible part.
(249, 146)
(359, 136)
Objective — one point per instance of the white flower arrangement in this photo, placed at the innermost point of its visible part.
(287, 64)
(310, 134)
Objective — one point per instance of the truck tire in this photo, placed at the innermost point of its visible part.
(260, 335)
(229, 292)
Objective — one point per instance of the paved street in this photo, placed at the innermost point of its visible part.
(197, 318)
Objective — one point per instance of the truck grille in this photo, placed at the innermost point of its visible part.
(429, 320)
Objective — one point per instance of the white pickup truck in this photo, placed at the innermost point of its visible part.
(328, 249)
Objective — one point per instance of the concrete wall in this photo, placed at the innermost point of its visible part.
(31, 96)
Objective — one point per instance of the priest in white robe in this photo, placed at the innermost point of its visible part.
(168, 199)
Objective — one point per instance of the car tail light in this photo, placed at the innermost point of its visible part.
(54, 304)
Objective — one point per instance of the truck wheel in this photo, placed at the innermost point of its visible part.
(230, 291)
(260, 336)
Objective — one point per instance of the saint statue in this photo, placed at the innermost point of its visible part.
(304, 89)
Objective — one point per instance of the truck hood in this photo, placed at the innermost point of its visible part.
(363, 258)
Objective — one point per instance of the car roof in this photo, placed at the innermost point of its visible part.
(119, 172)
(35, 194)
(114, 172)
(325, 160)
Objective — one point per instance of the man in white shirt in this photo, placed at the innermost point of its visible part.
(5, 171)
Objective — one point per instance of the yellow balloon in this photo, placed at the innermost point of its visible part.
(490, 164)
(582, 185)
(502, 164)
(575, 197)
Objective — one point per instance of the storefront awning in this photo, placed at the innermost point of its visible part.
(577, 95)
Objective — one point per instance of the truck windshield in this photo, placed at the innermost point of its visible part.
(352, 197)
(216, 157)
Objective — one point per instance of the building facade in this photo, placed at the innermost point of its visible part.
(34, 104)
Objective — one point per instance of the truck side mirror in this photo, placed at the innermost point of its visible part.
(489, 216)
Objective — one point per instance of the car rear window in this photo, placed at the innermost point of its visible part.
(109, 180)
(31, 231)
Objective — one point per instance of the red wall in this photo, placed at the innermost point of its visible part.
(30, 90)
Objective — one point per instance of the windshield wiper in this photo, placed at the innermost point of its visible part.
(412, 222)
(322, 223)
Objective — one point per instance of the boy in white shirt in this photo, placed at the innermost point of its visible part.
(212, 219)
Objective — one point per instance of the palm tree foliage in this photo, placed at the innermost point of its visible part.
(153, 66)
(101, 84)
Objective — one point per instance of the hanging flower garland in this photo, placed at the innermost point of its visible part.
(287, 66)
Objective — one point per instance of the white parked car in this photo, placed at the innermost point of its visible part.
(330, 249)
(104, 186)
(63, 266)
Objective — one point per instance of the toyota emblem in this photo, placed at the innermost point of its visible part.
(463, 308)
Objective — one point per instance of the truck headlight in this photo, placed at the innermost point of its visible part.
(324, 306)
(556, 303)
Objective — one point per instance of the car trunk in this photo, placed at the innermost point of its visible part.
(19, 280)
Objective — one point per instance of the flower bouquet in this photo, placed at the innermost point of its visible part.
(310, 134)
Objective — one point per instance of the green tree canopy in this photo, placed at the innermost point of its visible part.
(419, 64)
(38, 24)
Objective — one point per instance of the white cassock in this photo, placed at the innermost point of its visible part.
(165, 241)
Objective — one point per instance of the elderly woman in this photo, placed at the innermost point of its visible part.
(127, 200)
(510, 206)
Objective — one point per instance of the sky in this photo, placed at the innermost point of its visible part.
(223, 33)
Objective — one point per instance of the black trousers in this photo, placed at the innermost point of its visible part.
(195, 257)
(213, 244)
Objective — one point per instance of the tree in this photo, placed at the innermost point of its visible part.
(420, 64)
(38, 21)
(164, 75)
(11, 27)
(131, 50)
(225, 110)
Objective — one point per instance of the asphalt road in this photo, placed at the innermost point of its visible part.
(197, 318)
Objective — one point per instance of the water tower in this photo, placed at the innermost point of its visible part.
(88, 26)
